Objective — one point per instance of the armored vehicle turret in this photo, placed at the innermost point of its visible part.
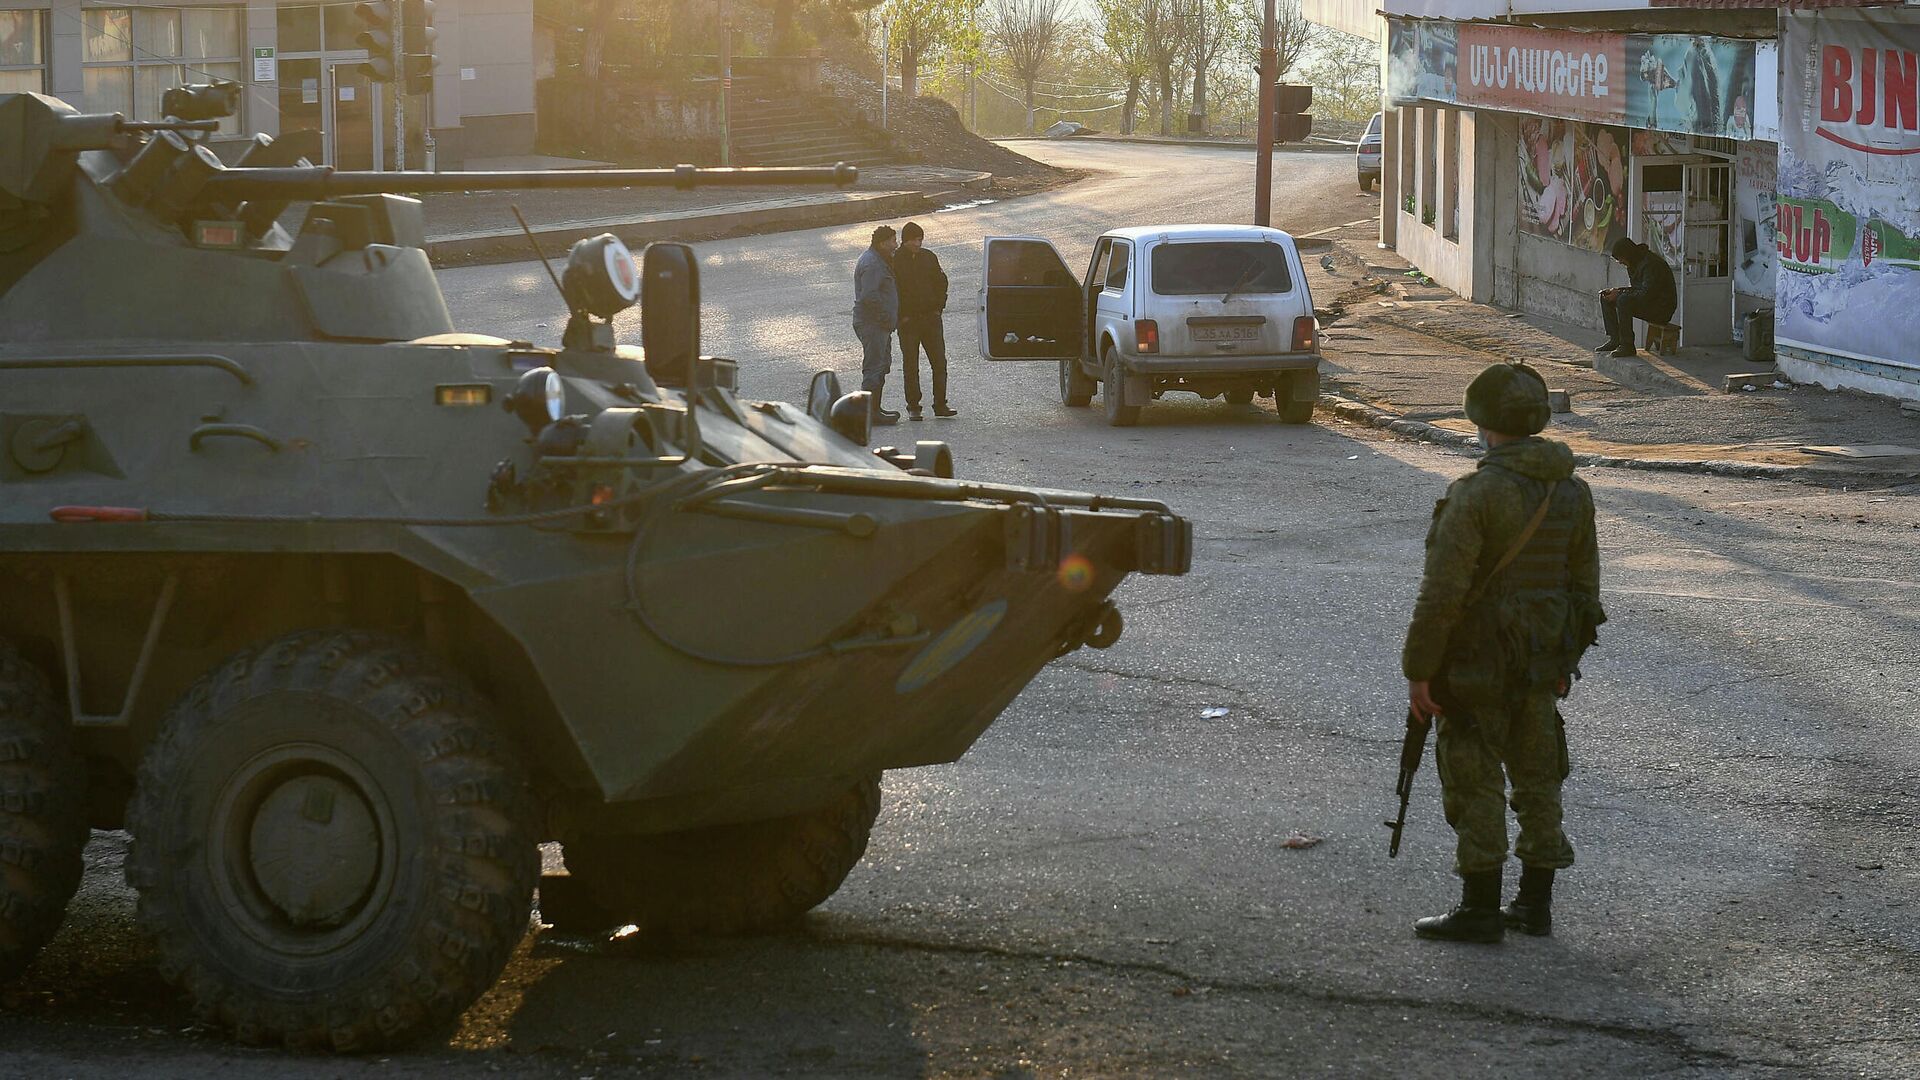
(342, 610)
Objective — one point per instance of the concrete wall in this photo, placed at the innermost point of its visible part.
(1449, 172)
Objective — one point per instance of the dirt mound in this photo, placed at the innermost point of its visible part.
(929, 130)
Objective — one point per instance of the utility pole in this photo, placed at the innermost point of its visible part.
(726, 84)
(1263, 137)
(1197, 115)
(399, 88)
(886, 60)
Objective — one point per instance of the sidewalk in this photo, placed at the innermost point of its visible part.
(479, 226)
(1400, 352)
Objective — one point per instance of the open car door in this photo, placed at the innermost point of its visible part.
(1031, 305)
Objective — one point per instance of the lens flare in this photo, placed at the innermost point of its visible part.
(1076, 573)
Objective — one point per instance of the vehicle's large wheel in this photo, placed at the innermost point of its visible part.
(1111, 377)
(333, 845)
(1241, 396)
(1295, 411)
(1366, 182)
(43, 817)
(729, 879)
(1076, 386)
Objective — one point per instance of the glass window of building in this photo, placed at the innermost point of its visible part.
(134, 55)
(23, 52)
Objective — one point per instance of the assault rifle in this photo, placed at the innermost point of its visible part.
(1412, 749)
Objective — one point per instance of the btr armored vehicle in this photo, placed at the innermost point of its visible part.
(341, 611)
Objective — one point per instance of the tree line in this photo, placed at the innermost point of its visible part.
(1175, 65)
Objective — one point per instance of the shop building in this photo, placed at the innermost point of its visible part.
(1523, 138)
(301, 68)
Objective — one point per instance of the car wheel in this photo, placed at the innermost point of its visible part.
(1076, 386)
(1366, 182)
(1241, 396)
(728, 879)
(1292, 410)
(43, 817)
(333, 844)
(1111, 393)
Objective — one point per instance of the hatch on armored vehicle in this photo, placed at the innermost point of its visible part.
(341, 611)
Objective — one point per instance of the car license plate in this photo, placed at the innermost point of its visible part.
(1226, 333)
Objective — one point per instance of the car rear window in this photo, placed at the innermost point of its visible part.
(1373, 125)
(1247, 266)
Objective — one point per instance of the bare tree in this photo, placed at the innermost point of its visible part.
(1027, 33)
(1293, 36)
(1124, 38)
(1214, 24)
(1167, 51)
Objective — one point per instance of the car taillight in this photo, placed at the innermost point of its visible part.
(1146, 336)
(1304, 331)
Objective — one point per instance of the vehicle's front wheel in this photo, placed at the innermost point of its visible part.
(43, 818)
(333, 844)
(727, 879)
(1076, 386)
(1112, 393)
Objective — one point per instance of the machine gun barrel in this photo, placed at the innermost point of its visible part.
(315, 182)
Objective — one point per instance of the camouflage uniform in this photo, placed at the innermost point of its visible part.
(1494, 666)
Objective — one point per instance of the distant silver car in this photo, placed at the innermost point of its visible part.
(1213, 310)
(1368, 154)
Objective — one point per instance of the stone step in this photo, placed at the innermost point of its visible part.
(797, 127)
(810, 142)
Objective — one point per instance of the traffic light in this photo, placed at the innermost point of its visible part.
(419, 73)
(416, 28)
(377, 38)
(1292, 122)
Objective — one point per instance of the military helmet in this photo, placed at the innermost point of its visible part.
(1509, 398)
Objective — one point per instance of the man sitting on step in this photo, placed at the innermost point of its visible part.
(1650, 297)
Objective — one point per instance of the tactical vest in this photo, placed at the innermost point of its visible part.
(1542, 564)
(1527, 629)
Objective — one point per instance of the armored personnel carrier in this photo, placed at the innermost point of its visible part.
(341, 611)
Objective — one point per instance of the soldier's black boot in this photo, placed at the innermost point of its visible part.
(1532, 908)
(1476, 919)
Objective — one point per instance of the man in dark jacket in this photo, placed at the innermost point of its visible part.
(923, 296)
(1508, 603)
(1651, 296)
(876, 311)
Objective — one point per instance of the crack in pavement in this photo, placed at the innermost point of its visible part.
(1672, 1042)
(1158, 680)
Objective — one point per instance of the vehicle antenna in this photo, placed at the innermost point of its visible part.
(541, 255)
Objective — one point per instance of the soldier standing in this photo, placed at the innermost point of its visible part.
(1509, 602)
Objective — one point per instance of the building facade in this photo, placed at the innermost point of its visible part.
(300, 65)
(1522, 139)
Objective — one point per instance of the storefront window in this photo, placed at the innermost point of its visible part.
(23, 56)
(134, 55)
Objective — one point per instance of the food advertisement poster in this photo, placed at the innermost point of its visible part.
(1573, 182)
(1847, 213)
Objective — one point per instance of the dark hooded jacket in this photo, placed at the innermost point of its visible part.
(1651, 292)
(1529, 624)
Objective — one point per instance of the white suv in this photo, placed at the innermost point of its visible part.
(1217, 310)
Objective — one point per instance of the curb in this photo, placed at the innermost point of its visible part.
(1216, 144)
(511, 244)
(1358, 412)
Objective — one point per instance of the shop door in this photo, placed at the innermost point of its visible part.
(337, 104)
(1706, 299)
(353, 100)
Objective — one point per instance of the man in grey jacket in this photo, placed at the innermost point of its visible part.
(876, 312)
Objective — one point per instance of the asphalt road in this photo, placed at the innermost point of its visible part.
(1102, 886)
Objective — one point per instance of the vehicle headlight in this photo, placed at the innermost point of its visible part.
(538, 399)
